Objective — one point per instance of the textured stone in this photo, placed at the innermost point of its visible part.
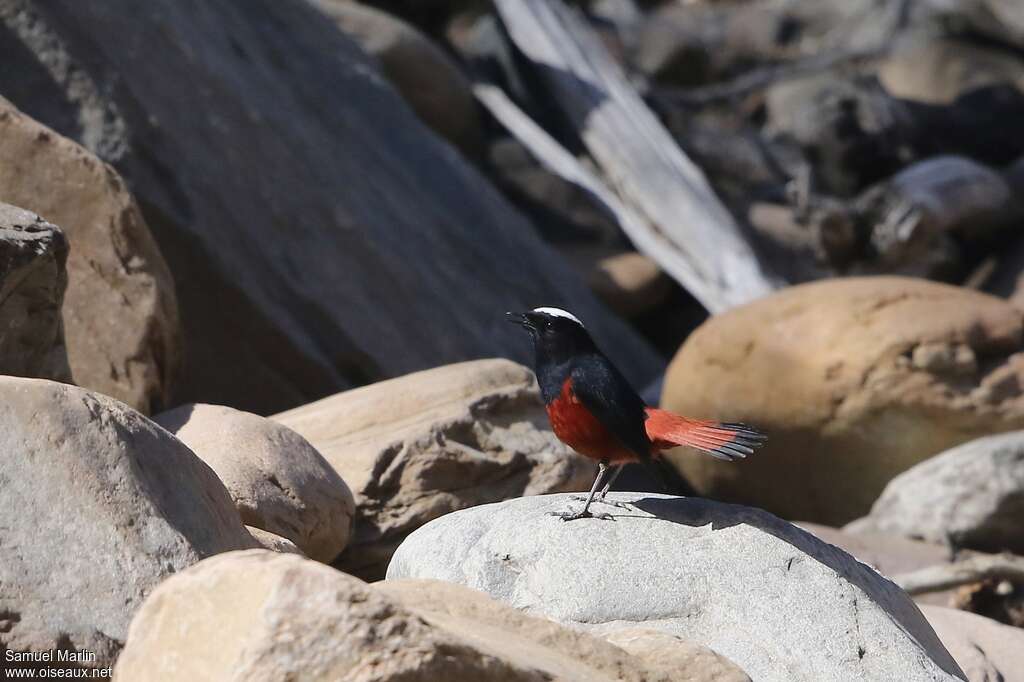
(678, 659)
(275, 543)
(971, 496)
(320, 235)
(120, 313)
(834, 374)
(33, 254)
(259, 616)
(746, 584)
(420, 446)
(278, 481)
(98, 505)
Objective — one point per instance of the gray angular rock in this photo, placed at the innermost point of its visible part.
(278, 481)
(98, 505)
(33, 278)
(970, 496)
(772, 598)
(321, 236)
(420, 446)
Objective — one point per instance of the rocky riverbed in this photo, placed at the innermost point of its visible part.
(262, 417)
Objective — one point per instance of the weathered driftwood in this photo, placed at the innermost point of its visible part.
(971, 570)
(684, 226)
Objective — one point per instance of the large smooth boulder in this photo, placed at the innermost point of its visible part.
(747, 584)
(99, 505)
(854, 381)
(120, 313)
(426, 444)
(971, 496)
(33, 254)
(320, 235)
(260, 616)
(429, 80)
(278, 481)
(986, 650)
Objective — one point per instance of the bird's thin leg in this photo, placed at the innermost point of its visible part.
(617, 469)
(570, 515)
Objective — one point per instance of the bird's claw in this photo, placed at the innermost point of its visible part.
(601, 500)
(570, 515)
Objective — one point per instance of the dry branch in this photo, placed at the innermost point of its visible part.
(971, 570)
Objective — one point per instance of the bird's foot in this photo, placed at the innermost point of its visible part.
(570, 515)
(602, 500)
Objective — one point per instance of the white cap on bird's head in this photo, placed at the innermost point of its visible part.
(558, 312)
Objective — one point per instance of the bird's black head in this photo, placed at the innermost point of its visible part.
(557, 335)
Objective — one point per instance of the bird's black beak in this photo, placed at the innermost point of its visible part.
(522, 319)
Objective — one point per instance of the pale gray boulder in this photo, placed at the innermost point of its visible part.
(969, 496)
(769, 596)
(97, 505)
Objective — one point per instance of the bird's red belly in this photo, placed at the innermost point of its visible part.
(578, 428)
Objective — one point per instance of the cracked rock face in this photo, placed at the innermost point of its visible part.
(120, 314)
(772, 598)
(423, 445)
(854, 381)
(33, 253)
(971, 496)
(97, 505)
(278, 481)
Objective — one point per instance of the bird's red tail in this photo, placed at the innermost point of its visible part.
(726, 441)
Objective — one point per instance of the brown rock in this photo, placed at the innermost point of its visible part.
(827, 370)
(32, 282)
(986, 650)
(275, 543)
(260, 616)
(939, 71)
(278, 481)
(675, 657)
(120, 313)
(427, 78)
(420, 446)
(628, 282)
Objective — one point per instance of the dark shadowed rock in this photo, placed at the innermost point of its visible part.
(319, 234)
(32, 281)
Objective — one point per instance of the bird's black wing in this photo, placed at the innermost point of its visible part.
(605, 392)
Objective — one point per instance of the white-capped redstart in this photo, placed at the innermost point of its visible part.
(594, 410)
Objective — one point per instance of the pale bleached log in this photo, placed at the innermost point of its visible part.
(681, 224)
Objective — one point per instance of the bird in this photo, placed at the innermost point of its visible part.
(594, 410)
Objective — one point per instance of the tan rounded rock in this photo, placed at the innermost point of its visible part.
(278, 481)
(854, 380)
(273, 542)
(120, 312)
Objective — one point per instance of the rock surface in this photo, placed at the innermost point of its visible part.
(33, 254)
(98, 505)
(420, 446)
(678, 659)
(329, 255)
(738, 580)
(120, 312)
(278, 481)
(427, 78)
(971, 496)
(854, 380)
(986, 650)
(259, 616)
(275, 543)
